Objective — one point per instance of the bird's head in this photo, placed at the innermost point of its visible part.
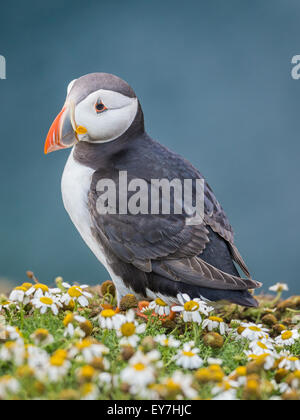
(99, 108)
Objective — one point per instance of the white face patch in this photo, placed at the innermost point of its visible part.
(109, 124)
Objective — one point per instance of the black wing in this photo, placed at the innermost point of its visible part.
(165, 244)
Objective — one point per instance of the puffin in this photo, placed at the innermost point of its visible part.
(149, 254)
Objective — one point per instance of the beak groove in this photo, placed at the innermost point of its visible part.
(61, 134)
(54, 135)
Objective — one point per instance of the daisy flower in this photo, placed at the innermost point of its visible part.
(188, 357)
(191, 308)
(261, 347)
(139, 373)
(230, 395)
(19, 295)
(6, 305)
(213, 323)
(160, 307)
(12, 333)
(86, 373)
(89, 350)
(287, 338)
(239, 375)
(38, 290)
(76, 293)
(46, 302)
(85, 326)
(267, 360)
(180, 383)
(105, 378)
(279, 287)
(42, 337)
(89, 392)
(290, 363)
(38, 360)
(71, 331)
(8, 385)
(13, 351)
(295, 380)
(225, 389)
(110, 319)
(130, 329)
(253, 332)
(167, 341)
(58, 366)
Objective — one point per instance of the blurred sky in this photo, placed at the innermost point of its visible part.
(214, 80)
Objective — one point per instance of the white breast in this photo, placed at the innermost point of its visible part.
(75, 186)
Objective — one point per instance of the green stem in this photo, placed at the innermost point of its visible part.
(22, 315)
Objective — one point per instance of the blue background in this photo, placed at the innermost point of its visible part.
(214, 80)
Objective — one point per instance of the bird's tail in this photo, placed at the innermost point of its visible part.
(239, 297)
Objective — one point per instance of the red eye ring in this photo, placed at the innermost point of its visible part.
(100, 107)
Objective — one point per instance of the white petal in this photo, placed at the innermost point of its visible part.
(44, 309)
(177, 308)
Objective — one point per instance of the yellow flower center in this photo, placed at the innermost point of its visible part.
(215, 368)
(41, 333)
(10, 344)
(57, 361)
(253, 356)
(58, 358)
(108, 313)
(227, 385)
(215, 319)
(24, 371)
(166, 342)
(5, 303)
(75, 292)
(255, 329)
(262, 345)
(61, 353)
(160, 302)
(21, 289)
(139, 366)
(27, 285)
(172, 386)
(87, 372)
(188, 353)
(191, 306)
(203, 375)
(87, 389)
(293, 359)
(128, 329)
(297, 374)
(83, 344)
(240, 330)
(241, 371)
(46, 300)
(286, 335)
(252, 385)
(68, 319)
(42, 287)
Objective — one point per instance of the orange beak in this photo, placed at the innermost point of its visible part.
(61, 134)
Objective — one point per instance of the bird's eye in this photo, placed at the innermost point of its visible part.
(100, 107)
